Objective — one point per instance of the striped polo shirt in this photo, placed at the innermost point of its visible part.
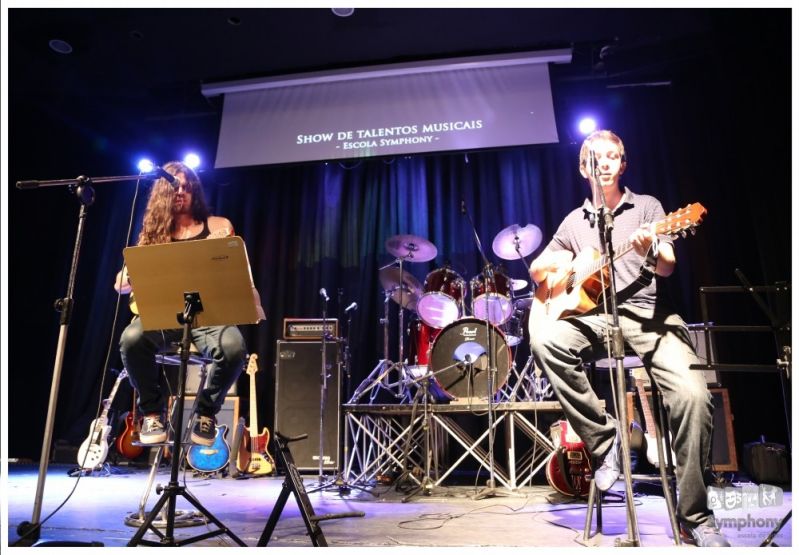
(580, 230)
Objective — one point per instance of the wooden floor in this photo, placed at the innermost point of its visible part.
(450, 516)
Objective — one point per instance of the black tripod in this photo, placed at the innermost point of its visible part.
(193, 306)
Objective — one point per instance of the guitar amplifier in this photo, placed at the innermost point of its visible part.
(308, 329)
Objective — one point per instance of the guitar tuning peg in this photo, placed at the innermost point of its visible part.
(683, 234)
(693, 231)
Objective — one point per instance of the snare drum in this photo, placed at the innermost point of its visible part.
(442, 301)
(513, 328)
(491, 298)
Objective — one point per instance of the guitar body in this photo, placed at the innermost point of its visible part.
(94, 449)
(569, 467)
(253, 455)
(124, 442)
(210, 458)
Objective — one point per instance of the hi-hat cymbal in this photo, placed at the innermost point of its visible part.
(518, 284)
(406, 292)
(527, 238)
(411, 248)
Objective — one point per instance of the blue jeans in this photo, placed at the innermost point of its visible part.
(223, 344)
(662, 342)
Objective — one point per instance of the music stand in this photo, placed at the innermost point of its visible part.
(176, 281)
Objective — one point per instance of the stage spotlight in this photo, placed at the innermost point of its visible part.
(192, 160)
(145, 165)
(587, 125)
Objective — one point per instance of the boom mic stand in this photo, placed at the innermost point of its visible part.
(488, 278)
(82, 188)
(605, 228)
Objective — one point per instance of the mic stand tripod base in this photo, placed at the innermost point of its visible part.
(491, 490)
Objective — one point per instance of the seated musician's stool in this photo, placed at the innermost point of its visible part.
(666, 474)
(182, 518)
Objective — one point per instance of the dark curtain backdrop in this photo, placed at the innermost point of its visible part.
(719, 135)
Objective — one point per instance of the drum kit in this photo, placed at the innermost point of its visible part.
(449, 338)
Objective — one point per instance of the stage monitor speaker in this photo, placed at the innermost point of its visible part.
(723, 456)
(297, 401)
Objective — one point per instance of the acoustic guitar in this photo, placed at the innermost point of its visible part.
(210, 458)
(579, 287)
(254, 457)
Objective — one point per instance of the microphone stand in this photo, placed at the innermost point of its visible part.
(605, 228)
(82, 188)
(488, 277)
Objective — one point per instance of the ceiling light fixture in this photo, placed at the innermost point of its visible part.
(60, 46)
(343, 12)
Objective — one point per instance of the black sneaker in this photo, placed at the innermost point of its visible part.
(152, 430)
(610, 467)
(204, 430)
(706, 534)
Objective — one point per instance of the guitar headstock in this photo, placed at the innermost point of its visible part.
(681, 221)
(252, 364)
(123, 374)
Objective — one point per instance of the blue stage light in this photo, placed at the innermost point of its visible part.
(192, 160)
(145, 165)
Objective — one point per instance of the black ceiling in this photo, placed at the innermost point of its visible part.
(158, 58)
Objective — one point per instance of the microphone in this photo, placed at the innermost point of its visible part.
(161, 172)
(323, 292)
(353, 306)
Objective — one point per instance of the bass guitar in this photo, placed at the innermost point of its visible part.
(94, 449)
(579, 287)
(254, 457)
(125, 441)
(210, 458)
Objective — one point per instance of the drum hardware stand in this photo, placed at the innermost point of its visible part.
(605, 229)
(378, 377)
(426, 486)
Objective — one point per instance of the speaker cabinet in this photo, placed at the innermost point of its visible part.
(723, 455)
(298, 391)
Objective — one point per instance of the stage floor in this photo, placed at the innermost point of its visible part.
(449, 517)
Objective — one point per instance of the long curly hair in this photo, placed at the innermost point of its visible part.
(158, 223)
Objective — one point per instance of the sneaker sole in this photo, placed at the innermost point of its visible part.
(201, 440)
(151, 440)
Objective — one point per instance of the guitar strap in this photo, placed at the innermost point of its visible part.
(645, 276)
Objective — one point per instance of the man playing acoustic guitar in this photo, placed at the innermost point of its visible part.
(567, 328)
(178, 212)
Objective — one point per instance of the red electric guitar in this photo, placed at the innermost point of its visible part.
(569, 467)
(124, 441)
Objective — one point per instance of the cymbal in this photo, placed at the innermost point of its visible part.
(528, 238)
(411, 248)
(523, 303)
(407, 294)
(517, 284)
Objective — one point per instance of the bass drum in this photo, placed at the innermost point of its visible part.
(459, 359)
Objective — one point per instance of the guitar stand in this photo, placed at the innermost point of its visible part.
(293, 484)
(171, 491)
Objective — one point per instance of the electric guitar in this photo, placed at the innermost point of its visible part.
(650, 439)
(569, 466)
(210, 458)
(254, 458)
(579, 287)
(94, 449)
(125, 440)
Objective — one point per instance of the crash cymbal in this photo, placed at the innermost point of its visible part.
(518, 284)
(411, 248)
(406, 293)
(528, 238)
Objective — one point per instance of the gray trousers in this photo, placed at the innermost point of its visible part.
(662, 342)
(223, 344)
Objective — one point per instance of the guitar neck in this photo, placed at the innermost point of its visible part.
(649, 419)
(253, 407)
(107, 402)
